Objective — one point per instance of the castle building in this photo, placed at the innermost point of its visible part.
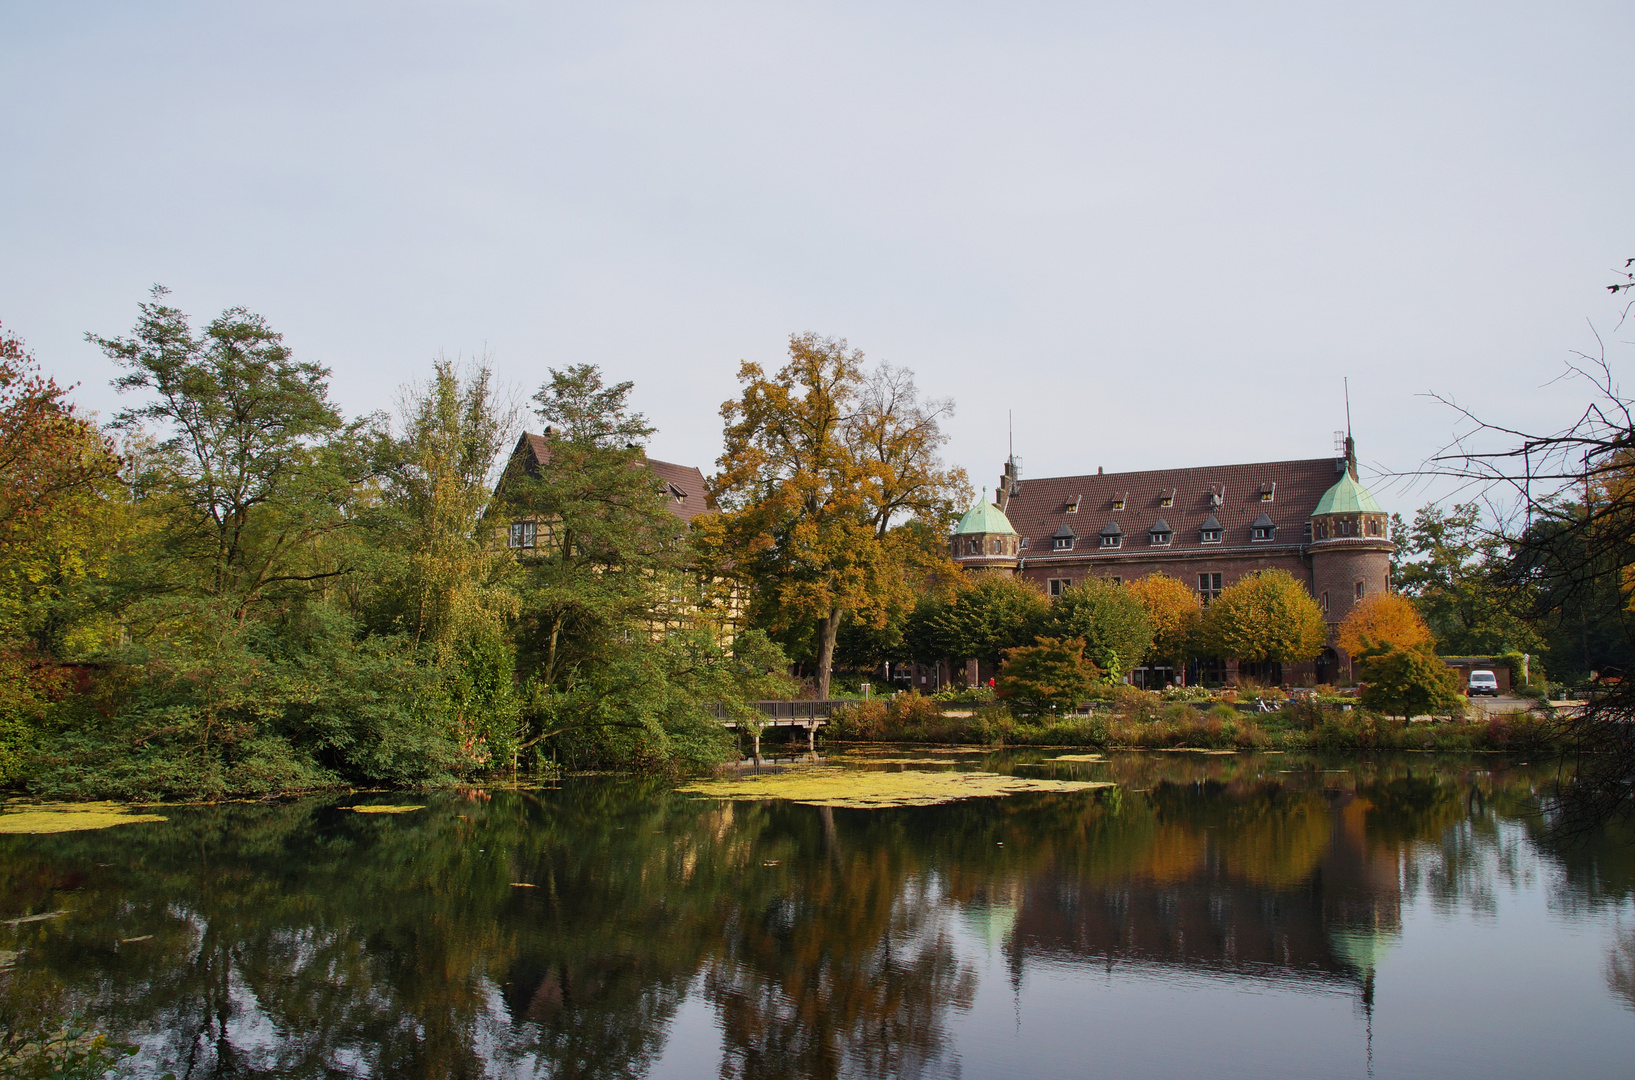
(1207, 526)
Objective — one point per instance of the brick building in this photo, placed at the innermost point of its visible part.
(1207, 526)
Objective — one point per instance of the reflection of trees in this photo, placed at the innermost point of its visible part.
(1621, 966)
(301, 940)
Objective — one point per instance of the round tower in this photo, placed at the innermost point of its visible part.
(984, 541)
(1350, 553)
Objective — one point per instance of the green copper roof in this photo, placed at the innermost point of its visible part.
(984, 517)
(1347, 497)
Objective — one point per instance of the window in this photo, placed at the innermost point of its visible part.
(1266, 491)
(1209, 536)
(1166, 497)
(524, 534)
(998, 546)
(1059, 585)
(1024, 543)
(1159, 537)
(1359, 590)
(1073, 504)
(1265, 532)
(1118, 502)
(1116, 580)
(1323, 602)
(1112, 540)
(1306, 532)
(1209, 586)
(1063, 543)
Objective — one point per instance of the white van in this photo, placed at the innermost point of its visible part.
(1483, 682)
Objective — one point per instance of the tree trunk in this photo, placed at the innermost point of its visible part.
(827, 631)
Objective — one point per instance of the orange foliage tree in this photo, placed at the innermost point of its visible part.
(1384, 621)
(1173, 610)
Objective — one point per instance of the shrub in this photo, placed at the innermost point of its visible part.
(1410, 682)
(1049, 675)
(863, 721)
(909, 709)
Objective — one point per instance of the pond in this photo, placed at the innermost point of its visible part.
(1207, 914)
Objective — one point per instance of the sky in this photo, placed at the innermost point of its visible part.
(1146, 235)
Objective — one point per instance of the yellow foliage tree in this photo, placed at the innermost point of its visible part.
(821, 460)
(1173, 610)
(1265, 616)
(1382, 621)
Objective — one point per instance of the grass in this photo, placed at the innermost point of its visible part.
(828, 785)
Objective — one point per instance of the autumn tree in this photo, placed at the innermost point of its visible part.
(1267, 616)
(1173, 612)
(1406, 682)
(1385, 620)
(1108, 617)
(1048, 675)
(822, 459)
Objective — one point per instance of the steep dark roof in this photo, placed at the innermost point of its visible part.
(1036, 510)
(1063, 533)
(1111, 529)
(1263, 522)
(1159, 526)
(685, 494)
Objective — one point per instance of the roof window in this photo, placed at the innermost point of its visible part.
(1210, 531)
(1159, 534)
(1166, 497)
(1267, 490)
(1263, 529)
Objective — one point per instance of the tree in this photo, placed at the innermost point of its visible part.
(982, 618)
(1404, 681)
(1050, 674)
(1173, 612)
(255, 467)
(821, 460)
(1385, 620)
(1450, 565)
(1109, 618)
(1268, 616)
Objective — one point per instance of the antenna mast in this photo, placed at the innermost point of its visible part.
(1347, 406)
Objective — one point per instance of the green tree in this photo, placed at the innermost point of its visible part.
(1267, 616)
(254, 469)
(821, 460)
(1048, 675)
(1410, 682)
(1111, 620)
(979, 620)
(1454, 569)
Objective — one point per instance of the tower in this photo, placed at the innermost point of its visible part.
(1350, 549)
(984, 540)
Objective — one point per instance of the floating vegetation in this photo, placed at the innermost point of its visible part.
(69, 817)
(1079, 757)
(384, 809)
(35, 918)
(523, 885)
(827, 785)
(904, 761)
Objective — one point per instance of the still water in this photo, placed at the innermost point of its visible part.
(1221, 916)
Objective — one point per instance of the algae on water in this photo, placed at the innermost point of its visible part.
(69, 817)
(384, 809)
(828, 785)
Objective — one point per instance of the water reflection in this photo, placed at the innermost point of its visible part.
(560, 933)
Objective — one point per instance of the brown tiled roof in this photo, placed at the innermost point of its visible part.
(1039, 511)
(685, 493)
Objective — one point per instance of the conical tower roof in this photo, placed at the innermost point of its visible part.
(984, 517)
(1347, 497)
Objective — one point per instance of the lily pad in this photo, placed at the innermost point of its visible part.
(826, 785)
(70, 817)
(384, 809)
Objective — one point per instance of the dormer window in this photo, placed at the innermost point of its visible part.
(677, 494)
(1118, 502)
(1063, 539)
(1112, 541)
(1111, 535)
(1166, 497)
(524, 534)
(1263, 529)
(1266, 491)
(1210, 531)
(1024, 544)
(1073, 504)
(1159, 535)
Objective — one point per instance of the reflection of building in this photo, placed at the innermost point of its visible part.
(1208, 912)
(1207, 526)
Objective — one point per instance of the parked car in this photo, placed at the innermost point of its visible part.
(1483, 682)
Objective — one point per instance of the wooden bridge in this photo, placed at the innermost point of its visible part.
(806, 715)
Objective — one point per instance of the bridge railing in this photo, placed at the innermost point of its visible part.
(791, 710)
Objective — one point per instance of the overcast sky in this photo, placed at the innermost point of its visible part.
(1160, 234)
